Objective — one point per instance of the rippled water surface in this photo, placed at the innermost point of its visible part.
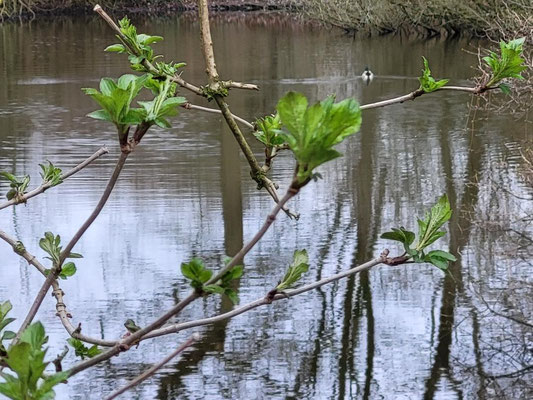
(407, 332)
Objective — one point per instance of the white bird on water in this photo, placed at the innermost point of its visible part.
(367, 76)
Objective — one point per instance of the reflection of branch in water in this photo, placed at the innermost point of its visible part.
(459, 230)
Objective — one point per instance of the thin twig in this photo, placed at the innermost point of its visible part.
(105, 196)
(190, 106)
(47, 185)
(262, 301)
(55, 271)
(61, 308)
(419, 92)
(149, 372)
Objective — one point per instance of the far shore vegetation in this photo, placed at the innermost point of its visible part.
(429, 18)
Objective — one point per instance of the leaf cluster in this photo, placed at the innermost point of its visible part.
(5, 307)
(18, 184)
(137, 45)
(131, 326)
(51, 245)
(163, 105)
(427, 83)
(198, 274)
(508, 64)
(116, 100)
(428, 232)
(26, 360)
(51, 174)
(299, 266)
(83, 351)
(313, 131)
(268, 131)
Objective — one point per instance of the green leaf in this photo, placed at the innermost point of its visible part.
(102, 115)
(51, 174)
(147, 39)
(50, 244)
(18, 185)
(508, 64)
(313, 131)
(505, 88)
(215, 289)
(434, 220)
(196, 272)
(8, 335)
(291, 109)
(67, 270)
(131, 326)
(118, 48)
(427, 82)
(441, 254)
(74, 255)
(232, 295)
(5, 322)
(35, 336)
(298, 267)
(268, 130)
(234, 273)
(5, 307)
(83, 351)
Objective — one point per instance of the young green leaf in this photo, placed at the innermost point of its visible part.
(131, 326)
(312, 132)
(83, 351)
(18, 184)
(50, 244)
(508, 64)
(268, 131)
(298, 267)
(115, 98)
(51, 174)
(427, 82)
(117, 48)
(401, 235)
(67, 270)
(196, 272)
(429, 227)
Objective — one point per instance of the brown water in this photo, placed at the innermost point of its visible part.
(392, 333)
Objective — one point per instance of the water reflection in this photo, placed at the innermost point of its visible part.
(388, 333)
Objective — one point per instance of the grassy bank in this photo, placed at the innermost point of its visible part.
(424, 17)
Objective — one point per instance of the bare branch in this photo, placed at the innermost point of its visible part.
(239, 85)
(44, 186)
(101, 203)
(148, 373)
(190, 106)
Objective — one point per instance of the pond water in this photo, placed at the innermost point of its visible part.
(406, 332)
